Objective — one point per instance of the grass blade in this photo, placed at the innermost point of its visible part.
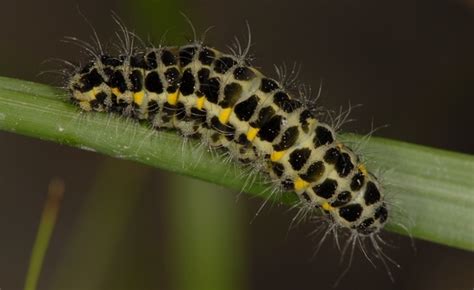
(45, 230)
(435, 188)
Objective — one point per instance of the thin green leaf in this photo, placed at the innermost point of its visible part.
(434, 188)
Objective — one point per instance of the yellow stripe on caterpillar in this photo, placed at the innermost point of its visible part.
(277, 155)
(95, 92)
(362, 169)
(173, 98)
(116, 91)
(138, 97)
(300, 184)
(327, 206)
(200, 102)
(252, 133)
(225, 115)
(88, 96)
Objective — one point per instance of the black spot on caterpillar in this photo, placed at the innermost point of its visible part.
(225, 102)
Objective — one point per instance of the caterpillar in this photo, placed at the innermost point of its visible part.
(222, 100)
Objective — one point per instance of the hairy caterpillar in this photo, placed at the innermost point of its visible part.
(221, 99)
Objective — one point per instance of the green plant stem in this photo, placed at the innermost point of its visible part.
(434, 188)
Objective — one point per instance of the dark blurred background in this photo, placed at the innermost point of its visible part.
(127, 226)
